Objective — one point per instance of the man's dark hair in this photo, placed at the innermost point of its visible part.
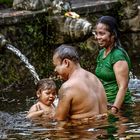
(66, 51)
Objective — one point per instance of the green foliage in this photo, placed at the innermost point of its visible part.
(83, 46)
(120, 9)
(9, 2)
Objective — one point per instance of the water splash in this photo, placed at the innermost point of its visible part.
(25, 60)
(134, 83)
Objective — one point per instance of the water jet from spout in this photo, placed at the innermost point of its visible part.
(23, 58)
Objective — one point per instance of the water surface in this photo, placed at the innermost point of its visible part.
(14, 125)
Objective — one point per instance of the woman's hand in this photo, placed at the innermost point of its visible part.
(114, 109)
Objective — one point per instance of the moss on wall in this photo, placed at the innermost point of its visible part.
(30, 39)
(5, 4)
(36, 39)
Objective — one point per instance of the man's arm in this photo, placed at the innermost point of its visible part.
(64, 104)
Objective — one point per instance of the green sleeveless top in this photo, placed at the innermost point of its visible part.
(104, 71)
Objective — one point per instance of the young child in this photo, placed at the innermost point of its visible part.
(46, 93)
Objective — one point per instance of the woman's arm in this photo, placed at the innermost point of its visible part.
(122, 76)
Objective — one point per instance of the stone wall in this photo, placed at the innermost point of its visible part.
(31, 38)
(36, 34)
(130, 26)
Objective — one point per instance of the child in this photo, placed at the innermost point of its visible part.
(46, 93)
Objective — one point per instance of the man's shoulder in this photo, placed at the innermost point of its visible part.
(65, 85)
(70, 83)
(68, 87)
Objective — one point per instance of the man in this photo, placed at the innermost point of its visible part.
(82, 94)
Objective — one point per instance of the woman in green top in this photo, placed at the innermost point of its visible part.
(113, 63)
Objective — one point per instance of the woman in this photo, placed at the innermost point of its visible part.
(113, 63)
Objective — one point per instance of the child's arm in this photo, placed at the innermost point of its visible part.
(34, 111)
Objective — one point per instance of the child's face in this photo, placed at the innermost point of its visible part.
(47, 96)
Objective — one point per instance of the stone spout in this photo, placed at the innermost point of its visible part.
(70, 29)
(77, 28)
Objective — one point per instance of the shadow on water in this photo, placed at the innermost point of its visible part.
(14, 125)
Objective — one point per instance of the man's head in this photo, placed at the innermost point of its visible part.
(63, 58)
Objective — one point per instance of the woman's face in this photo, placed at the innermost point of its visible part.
(104, 38)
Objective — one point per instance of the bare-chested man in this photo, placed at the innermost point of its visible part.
(82, 94)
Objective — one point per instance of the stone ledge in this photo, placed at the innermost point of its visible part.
(10, 16)
(93, 6)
